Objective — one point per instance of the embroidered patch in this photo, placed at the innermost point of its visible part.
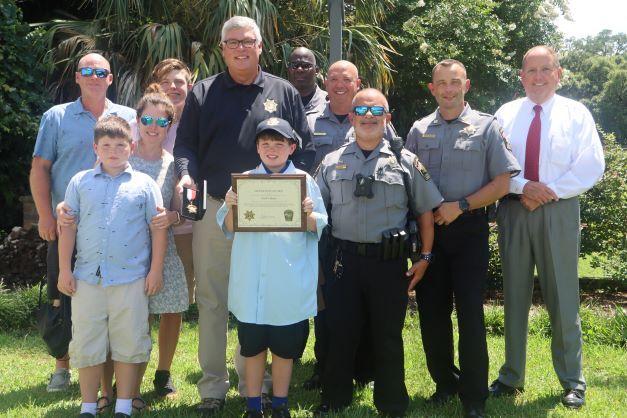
(270, 105)
(421, 169)
(341, 166)
(272, 122)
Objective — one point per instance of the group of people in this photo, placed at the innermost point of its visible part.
(119, 221)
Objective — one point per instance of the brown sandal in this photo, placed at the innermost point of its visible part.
(138, 405)
(103, 404)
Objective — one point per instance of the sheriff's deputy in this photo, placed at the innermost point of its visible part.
(363, 185)
(470, 161)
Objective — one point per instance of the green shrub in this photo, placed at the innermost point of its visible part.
(18, 307)
(23, 99)
(598, 328)
(494, 320)
(604, 214)
(495, 275)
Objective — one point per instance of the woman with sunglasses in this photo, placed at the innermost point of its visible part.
(155, 114)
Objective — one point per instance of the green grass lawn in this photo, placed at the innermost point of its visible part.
(25, 368)
(586, 270)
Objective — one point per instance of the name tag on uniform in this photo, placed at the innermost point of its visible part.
(428, 135)
(320, 133)
(341, 166)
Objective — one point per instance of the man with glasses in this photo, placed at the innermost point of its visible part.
(64, 146)
(302, 71)
(470, 162)
(363, 183)
(556, 141)
(216, 137)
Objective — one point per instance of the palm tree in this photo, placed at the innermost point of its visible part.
(134, 35)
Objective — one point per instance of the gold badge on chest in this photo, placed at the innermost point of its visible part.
(270, 105)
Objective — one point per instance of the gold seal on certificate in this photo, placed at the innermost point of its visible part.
(269, 202)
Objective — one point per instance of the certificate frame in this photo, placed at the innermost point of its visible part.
(267, 194)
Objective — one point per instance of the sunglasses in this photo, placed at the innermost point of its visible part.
(304, 65)
(88, 72)
(374, 110)
(161, 122)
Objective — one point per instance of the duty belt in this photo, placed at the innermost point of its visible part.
(360, 248)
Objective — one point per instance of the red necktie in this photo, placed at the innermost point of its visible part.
(532, 150)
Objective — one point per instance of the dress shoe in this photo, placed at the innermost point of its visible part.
(474, 412)
(440, 397)
(498, 388)
(323, 410)
(574, 398)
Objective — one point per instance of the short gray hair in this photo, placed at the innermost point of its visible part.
(241, 22)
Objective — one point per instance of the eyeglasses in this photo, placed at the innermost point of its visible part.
(374, 110)
(161, 122)
(235, 43)
(89, 71)
(295, 65)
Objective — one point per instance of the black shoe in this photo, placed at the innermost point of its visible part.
(252, 413)
(574, 398)
(440, 397)
(281, 412)
(312, 383)
(498, 388)
(210, 406)
(163, 384)
(474, 412)
(323, 410)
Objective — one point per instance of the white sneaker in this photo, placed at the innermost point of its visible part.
(59, 381)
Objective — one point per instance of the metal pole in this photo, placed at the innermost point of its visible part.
(336, 23)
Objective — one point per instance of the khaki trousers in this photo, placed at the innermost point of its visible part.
(547, 238)
(212, 257)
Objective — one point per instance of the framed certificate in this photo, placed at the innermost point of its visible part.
(269, 202)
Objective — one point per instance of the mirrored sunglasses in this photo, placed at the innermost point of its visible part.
(374, 110)
(89, 71)
(161, 122)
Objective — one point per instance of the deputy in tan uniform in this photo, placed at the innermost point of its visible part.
(470, 162)
(363, 185)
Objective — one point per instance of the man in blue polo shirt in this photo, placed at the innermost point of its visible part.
(64, 147)
(216, 137)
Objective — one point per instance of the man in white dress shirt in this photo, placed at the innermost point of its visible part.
(556, 142)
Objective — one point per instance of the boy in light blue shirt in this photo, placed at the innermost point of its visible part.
(119, 263)
(273, 277)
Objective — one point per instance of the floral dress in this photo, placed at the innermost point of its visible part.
(173, 298)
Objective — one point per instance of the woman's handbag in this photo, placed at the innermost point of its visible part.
(55, 324)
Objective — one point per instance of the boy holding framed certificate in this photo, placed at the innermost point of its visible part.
(273, 275)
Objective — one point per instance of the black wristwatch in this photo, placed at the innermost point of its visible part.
(428, 257)
(464, 206)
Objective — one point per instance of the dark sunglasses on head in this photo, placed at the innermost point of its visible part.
(88, 72)
(374, 110)
(148, 120)
(296, 65)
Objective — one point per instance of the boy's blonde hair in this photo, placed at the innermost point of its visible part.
(114, 127)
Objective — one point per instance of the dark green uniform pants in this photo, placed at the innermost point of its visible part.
(547, 238)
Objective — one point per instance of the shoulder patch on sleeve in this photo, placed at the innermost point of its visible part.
(421, 169)
(508, 146)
